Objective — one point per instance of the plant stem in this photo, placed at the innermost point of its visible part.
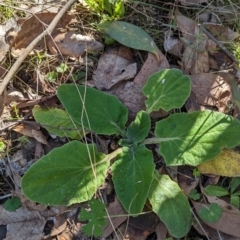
(153, 140)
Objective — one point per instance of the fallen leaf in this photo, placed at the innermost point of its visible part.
(115, 65)
(161, 231)
(116, 210)
(38, 135)
(34, 26)
(150, 66)
(211, 90)
(72, 44)
(22, 224)
(228, 223)
(221, 32)
(227, 163)
(209, 232)
(172, 44)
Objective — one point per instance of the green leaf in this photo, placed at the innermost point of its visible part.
(139, 129)
(51, 76)
(13, 204)
(58, 122)
(2, 146)
(166, 89)
(132, 176)
(234, 200)
(194, 194)
(68, 174)
(62, 68)
(96, 218)
(211, 213)
(215, 191)
(235, 182)
(95, 110)
(171, 205)
(193, 138)
(130, 36)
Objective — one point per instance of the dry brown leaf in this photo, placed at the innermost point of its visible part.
(229, 222)
(210, 232)
(221, 32)
(25, 129)
(172, 44)
(38, 135)
(127, 232)
(34, 26)
(187, 27)
(115, 65)
(114, 209)
(161, 231)
(150, 66)
(211, 90)
(72, 44)
(227, 163)
(22, 224)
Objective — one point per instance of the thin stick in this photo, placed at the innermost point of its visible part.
(218, 43)
(30, 47)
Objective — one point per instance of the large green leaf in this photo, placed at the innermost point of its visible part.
(68, 174)
(193, 138)
(57, 121)
(95, 110)
(170, 204)
(139, 128)
(132, 176)
(130, 36)
(166, 89)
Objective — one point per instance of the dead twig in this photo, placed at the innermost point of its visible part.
(30, 47)
(218, 43)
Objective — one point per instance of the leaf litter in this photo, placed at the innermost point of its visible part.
(117, 73)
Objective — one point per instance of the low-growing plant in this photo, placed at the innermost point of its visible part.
(107, 9)
(73, 173)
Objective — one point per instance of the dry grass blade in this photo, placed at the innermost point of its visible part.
(48, 30)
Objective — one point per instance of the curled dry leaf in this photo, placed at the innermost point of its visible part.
(211, 90)
(34, 26)
(72, 44)
(115, 65)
